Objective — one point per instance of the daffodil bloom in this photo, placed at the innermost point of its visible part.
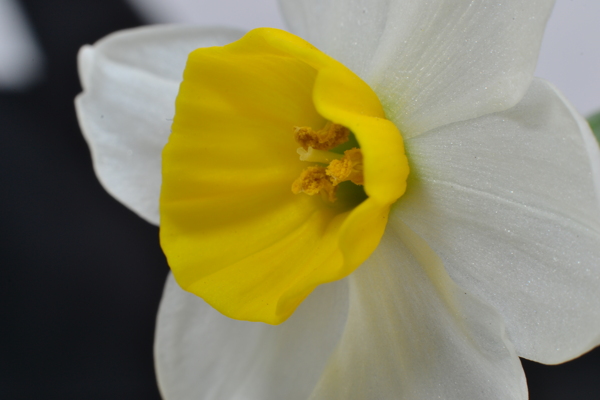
(403, 145)
(254, 125)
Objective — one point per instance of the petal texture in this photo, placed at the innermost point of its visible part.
(430, 62)
(201, 354)
(413, 334)
(510, 203)
(130, 80)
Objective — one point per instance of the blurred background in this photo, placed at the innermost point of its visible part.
(81, 276)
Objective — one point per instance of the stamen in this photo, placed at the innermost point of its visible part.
(330, 136)
(325, 180)
(314, 180)
(348, 168)
(318, 156)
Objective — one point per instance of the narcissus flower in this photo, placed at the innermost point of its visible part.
(403, 145)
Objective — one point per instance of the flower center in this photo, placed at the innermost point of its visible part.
(340, 168)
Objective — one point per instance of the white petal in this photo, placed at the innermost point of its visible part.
(510, 202)
(431, 62)
(413, 334)
(130, 81)
(241, 14)
(201, 354)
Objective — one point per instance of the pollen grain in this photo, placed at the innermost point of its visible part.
(348, 168)
(315, 180)
(330, 136)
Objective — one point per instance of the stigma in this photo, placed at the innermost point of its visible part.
(315, 146)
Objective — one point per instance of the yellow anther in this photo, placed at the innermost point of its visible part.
(330, 136)
(348, 168)
(314, 180)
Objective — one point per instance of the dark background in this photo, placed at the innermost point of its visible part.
(81, 276)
